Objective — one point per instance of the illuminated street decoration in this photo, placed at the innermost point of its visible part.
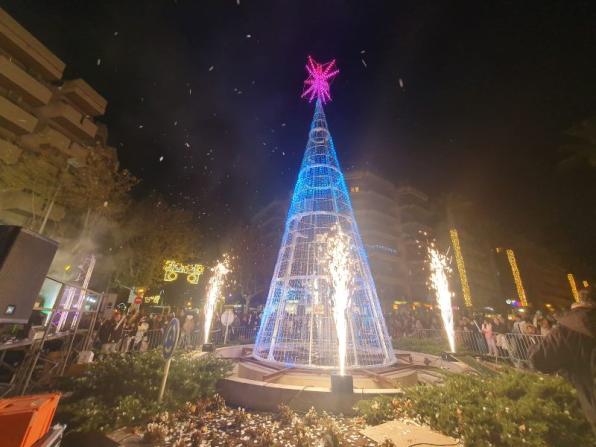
(303, 313)
(461, 267)
(439, 283)
(319, 77)
(519, 286)
(172, 268)
(585, 283)
(154, 299)
(573, 286)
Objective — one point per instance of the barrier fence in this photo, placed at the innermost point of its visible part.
(514, 347)
(134, 340)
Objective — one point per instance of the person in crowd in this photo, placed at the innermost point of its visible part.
(140, 341)
(110, 333)
(130, 324)
(570, 348)
(529, 328)
(487, 331)
(544, 327)
(187, 329)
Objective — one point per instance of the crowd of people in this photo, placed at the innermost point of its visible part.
(140, 331)
(408, 320)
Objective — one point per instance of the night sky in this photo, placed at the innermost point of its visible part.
(487, 92)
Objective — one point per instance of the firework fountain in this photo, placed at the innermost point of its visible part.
(341, 273)
(216, 283)
(439, 270)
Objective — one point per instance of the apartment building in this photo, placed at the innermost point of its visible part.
(43, 118)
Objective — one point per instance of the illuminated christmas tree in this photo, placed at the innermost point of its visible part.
(322, 309)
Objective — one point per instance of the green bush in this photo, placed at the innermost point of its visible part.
(121, 389)
(426, 345)
(508, 409)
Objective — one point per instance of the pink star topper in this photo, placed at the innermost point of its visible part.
(316, 85)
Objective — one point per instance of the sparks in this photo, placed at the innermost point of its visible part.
(316, 85)
(341, 270)
(216, 283)
(439, 269)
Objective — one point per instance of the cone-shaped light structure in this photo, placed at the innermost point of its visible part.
(298, 326)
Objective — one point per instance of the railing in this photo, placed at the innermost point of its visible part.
(514, 347)
(134, 340)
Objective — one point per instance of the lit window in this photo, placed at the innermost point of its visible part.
(355, 189)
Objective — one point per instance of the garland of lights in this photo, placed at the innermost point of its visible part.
(573, 286)
(459, 259)
(173, 268)
(521, 293)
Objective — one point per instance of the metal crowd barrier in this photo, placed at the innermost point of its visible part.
(133, 340)
(514, 347)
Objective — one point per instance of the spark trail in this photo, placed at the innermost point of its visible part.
(342, 273)
(439, 282)
(216, 283)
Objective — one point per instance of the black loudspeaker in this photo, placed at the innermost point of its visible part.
(25, 259)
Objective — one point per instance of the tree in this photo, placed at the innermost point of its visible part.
(153, 232)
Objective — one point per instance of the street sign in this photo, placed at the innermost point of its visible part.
(170, 338)
(227, 317)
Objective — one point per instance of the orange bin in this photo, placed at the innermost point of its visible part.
(26, 419)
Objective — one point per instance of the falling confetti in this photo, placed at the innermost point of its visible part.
(140, 126)
(248, 36)
(211, 68)
(363, 63)
(362, 51)
(161, 159)
(115, 33)
(401, 82)
(189, 91)
(98, 62)
(187, 144)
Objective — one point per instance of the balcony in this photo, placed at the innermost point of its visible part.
(71, 120)
(19, 203)
(17, 41)
(15, 119)
(16, 79)
(44, 138)
(84, 97)
(9, 153)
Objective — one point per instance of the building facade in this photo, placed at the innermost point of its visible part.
(416, 229)
(395, 224)
(47, 128)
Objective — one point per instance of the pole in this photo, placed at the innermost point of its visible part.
(166, 371)
(49, 209)
(226, 334)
